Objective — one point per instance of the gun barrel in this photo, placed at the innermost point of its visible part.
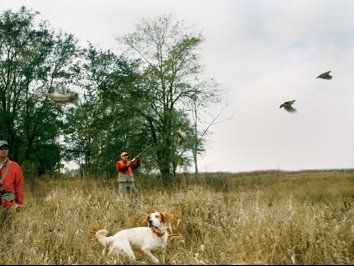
(144, 150)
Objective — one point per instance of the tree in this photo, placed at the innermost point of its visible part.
(101, 127)
(33, 59)
(171, 74)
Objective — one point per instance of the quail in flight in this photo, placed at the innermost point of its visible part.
(63, 98)
(325, 75)
(288, 106)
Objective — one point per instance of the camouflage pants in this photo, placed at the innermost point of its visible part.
(127, 188)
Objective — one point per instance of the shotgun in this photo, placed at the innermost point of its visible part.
(144, 150)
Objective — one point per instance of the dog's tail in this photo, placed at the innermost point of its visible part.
(101, 236)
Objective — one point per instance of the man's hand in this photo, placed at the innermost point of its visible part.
(129, 163)
(137, 157)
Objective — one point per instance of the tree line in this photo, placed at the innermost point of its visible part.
(147, 94)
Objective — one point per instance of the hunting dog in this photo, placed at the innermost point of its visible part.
(149, 240)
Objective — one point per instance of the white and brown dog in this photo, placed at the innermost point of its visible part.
(149, 240)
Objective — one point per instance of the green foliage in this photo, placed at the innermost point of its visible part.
(33, 59)
(128, 102)
(103, 126)
(170, 82)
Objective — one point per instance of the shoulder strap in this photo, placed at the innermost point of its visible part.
(5, 172)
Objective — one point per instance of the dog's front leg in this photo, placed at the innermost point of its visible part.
(149, 254)
(162, 257)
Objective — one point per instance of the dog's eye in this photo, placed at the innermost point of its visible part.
(156, 216)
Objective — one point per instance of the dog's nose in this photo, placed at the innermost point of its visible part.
(150, 222)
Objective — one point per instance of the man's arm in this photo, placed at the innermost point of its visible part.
(136, 163)
(18, 186)
(122, 167)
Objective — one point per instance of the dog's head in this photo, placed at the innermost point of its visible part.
(156, 219)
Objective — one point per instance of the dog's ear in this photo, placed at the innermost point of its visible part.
(147, 218)
(166, 217)
(144, 219)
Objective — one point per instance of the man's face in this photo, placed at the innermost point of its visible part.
(4, 150)
(125, 157)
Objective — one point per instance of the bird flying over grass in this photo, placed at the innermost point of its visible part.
(325, 75)
(288, 106)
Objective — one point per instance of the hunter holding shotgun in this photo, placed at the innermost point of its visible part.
(11, 181)
(125, 172)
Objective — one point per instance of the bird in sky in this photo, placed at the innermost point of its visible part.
(288, 106)
(63, 98)
(325, 75)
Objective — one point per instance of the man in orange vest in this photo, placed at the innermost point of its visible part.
(125, 173)
(11, 181)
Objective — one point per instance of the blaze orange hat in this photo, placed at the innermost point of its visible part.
(123, 153)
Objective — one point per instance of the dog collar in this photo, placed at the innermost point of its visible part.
(154, 231)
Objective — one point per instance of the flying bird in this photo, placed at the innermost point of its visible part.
(288, 106)
(181, 134)
(325, 75)
(63, 98)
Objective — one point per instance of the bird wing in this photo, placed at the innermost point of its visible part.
(290, 109)
(324, 75)
(288, 103)
(181, 134)
(58, 97)
(62, 98)
(54, 94)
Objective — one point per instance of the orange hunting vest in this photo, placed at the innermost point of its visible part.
(124, 174)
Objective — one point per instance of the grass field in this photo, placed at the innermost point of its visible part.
(261, 217)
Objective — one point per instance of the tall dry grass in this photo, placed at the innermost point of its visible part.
(264, 217)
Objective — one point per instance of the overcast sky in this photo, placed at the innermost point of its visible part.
(263, 53)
